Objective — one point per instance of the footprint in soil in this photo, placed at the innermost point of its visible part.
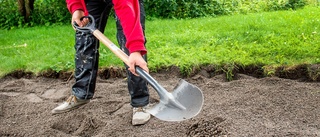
(77, 125)
(3, 99)
(206, 127)
(12, 86)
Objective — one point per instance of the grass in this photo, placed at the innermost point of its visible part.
(269, 38)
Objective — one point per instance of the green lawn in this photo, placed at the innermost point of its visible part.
(269, 38)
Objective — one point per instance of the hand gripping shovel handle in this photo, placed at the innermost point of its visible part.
(90, 28)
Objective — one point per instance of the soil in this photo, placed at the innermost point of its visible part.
(244, 106)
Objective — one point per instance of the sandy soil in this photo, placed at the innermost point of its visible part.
(247, 106)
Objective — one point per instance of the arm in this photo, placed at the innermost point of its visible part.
(74, 5)
(128, 12)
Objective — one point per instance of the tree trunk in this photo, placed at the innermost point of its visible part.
(29, 7)
(25, 8)
(21, 7)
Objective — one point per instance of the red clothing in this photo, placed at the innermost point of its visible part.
(128, 12)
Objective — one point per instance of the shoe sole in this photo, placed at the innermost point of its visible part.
(67, 110)
(141, 123)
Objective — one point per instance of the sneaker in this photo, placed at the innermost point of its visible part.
(71, 103)
(140, 116)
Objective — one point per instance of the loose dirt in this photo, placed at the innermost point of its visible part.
(246, 106)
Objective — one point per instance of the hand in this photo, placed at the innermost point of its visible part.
(135, 59)
(76, 16)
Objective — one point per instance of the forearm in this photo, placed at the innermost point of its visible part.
(74, 5)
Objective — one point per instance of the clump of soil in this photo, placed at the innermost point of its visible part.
(207, 127)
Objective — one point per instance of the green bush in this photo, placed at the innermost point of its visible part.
(200, 8)
(9, 15)
(186, 8)
(48, 12)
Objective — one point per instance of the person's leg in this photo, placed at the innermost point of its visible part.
(87, 51)
(86, 58)
(136, 85)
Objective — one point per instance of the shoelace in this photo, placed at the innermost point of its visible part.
(71, 99)
(139, 109)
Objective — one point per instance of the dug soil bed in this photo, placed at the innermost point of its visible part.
(247, 105)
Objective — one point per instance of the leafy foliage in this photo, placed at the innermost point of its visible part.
(201, 8)
(48, 12)
(9, 15)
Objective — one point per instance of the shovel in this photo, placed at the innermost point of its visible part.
(183, 103)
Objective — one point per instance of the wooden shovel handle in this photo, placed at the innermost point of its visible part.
(124, 57)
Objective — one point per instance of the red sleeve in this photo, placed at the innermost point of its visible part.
(128, 12)
(74, 5)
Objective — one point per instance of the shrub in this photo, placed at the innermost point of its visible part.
(9, 15)
(47, 12)
(200, 8)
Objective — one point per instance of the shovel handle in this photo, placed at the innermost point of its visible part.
(124, 57)
(90, 26)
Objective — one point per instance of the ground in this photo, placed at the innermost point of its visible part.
(245, 106)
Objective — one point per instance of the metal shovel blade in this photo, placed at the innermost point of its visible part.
(183, 103)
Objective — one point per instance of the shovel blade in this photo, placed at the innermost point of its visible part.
(188, 95)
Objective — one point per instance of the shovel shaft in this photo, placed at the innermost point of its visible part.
(123, 56)
(165, 96)
(161, 91)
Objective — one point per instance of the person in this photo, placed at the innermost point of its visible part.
(130, 24)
